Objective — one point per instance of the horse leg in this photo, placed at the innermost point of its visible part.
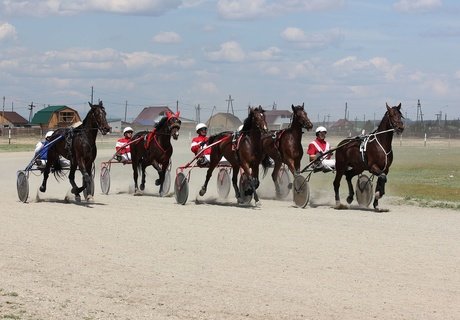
(379, 189)
(351, 191)
(142, 186)
(275, 172)
(75, 190)
(135, 166)
(235, 171)
(338, 177)
(213, 163)
(46, 174)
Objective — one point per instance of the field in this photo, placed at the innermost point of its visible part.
(126, 257)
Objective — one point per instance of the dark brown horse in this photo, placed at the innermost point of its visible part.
(79, 146)
(154, 149)
(373, 154)
(284, 146)
(246, 152)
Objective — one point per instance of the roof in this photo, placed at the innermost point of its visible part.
(14, 117)
(225, 121)
(150, 115)
(272, 115)
(44, 115)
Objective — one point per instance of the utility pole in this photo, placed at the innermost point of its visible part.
(230, 104)
(177, 106)
(126, 108)
(92, 94)
(346, 108)
(419, 115)
(274, 106)
(31, 107)
(3, 118)
(197, 113)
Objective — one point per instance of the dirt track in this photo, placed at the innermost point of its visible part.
(126, 257)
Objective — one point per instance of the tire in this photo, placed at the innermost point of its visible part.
(364, 194)
(301, 191)
(166, 183)
(284, 182)
(181, 188)
(223, 183)
(243, 186)
(22, 185)
(105, 180)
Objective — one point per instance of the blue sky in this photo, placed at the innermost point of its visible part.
(323, 53)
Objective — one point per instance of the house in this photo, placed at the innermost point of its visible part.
(278, 119)
(12, 119)
(151, 115)
(54, 117)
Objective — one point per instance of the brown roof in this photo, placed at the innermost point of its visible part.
(14, 118)
(150, 115)
(272, 115)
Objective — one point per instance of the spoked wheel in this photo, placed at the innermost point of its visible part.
(181, 188)
(22, 185)
(223, 183)
(364, 189)
(284, 182)
(166, 183)
(244, 186)
(301, 191)
(105, 179)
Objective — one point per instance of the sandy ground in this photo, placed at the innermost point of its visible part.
(127, 257)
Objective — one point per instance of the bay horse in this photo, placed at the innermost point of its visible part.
(245, 153)
(79, 146)
(284, 146)
(374, 154)
(154, 148)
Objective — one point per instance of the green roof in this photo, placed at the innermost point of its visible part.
(44, 115)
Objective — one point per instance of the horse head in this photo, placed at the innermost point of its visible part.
(395, 118)
(257, 118)
(301, 117)
(100, 117)
(173, 123)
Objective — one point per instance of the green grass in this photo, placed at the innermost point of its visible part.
(426, 173)
(17, 147)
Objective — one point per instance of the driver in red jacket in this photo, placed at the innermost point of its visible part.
(199, 142)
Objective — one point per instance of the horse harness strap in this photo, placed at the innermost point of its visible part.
(371, 138)
(276, 136)
(152, 136)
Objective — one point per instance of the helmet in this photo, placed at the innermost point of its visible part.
(49, 134)
(240, 128)
(127, 129)
(200, 126)
(321, 129)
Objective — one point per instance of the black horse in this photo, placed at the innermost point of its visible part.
(79, 146)
(374, 154)
(154, 149)
(285, 146)
(246, 153)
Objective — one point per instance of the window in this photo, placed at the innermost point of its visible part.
(66, 117)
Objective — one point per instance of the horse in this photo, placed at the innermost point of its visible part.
(245, 153)
(79, 146)
(284, 146)
(373, 153)
(154, 148)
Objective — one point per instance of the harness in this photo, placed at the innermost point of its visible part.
(371, 138)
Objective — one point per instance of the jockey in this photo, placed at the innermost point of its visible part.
(41, 152)
(122, 146)
(199, 142)
(317, 148)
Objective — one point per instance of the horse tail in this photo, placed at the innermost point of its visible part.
(265, 165)
(57, 169)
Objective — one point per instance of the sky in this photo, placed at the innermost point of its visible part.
(195, 54)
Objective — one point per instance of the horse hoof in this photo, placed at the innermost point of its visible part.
(202, 192)
(340, 206)
(142, 187)
(89, 198)
(157, 182)
(42, 189)
(138, 193)
(349, 200)
(77, 198)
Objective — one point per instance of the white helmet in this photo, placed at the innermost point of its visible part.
(240, 128)
(49, 134)
(200, 126)
(321, 129)
(127, 129)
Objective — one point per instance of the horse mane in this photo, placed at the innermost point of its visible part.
(217, 136)
(161, 123)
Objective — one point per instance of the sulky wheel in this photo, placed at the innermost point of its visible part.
(166, 183)
(105, 179)
(223, 183)
(364, 193)
(22, 185)
(284, 182)
(301, 191)
(181, 188)
(245, 190)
